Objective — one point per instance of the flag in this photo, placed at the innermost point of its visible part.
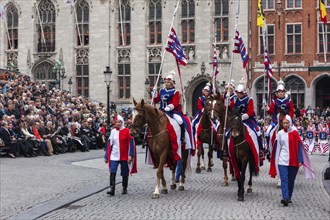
(268, 66)
(260, 15)
(240, 48)
(2, 12)
(323, 12)
(69, 3)
(215, 62)
(175, 48)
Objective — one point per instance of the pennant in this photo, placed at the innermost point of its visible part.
(268, 66)
(239, 47)
(323, 12)
(175, 48)
(260, 15)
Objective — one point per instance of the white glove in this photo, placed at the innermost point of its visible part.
(154, 93)
(265, 107)
(227, 102)
(245, 116)
(167, 109)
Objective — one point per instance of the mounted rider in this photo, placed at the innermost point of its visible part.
(231, 88)
(280, 103)
(169, 99)
(245, 104)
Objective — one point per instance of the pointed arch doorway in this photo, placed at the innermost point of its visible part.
(322, 92)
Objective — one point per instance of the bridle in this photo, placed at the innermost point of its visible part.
(139, 127)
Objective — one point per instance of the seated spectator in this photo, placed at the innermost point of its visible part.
(8, 139)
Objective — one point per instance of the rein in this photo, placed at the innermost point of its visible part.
(150, 136)
(244, 140)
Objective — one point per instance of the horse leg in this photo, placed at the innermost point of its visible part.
(241, 181)
(225, 177)
(160, 176)
(251, 168)
(203, 161)
(210, 156)
(198, 168)
(184, 167)
(173, 184)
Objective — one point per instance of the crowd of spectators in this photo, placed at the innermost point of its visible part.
(36, 120)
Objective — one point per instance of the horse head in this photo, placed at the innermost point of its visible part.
(214, 107)
(139, 118)
(237, 126)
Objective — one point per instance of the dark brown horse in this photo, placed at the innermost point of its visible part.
(241, 154)
(159, 144)
(205, 136)
(216, 110)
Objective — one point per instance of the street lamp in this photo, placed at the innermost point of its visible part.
(59, 70)
(70, 85)
(107, 80)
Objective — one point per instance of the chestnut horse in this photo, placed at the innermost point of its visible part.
(240, 154)
(205, 136)
(159, 144)
(215, 109)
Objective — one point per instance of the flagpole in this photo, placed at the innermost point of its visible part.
(11, 46)
(121, 23)
(163, 55)
(264, 90)
(324, 45)
(42, 29)
(228, 82)
(77, 24)
(214, 69)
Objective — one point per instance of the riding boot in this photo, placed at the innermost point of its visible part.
(112, 184)
(261, 149)
(183, 131)
(125, 183)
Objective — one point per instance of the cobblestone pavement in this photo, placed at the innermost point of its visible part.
(27, 183)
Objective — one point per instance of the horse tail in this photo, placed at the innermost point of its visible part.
(252, 165)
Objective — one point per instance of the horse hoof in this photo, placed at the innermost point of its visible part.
(164, 191)
(249, 190)
(233, 179)
(240, 198)
(225, 184)
(209, 169)
(181, 188)
(173, 187)
(155, 196)
(198, 170)
(202, 168)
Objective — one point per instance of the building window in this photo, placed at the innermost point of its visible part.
(155, 22)
(82, 34)
(124, 23)
(267, 4)
(326, 37)
(124, 80)
(82, 72)
(188, 21)
(12, 27)
(261, 90)
(44, 71)
(293, 38)
(270, 40)
(297, 88)
(293, 4)
(46, 26)
(153, 74)
(221, 20)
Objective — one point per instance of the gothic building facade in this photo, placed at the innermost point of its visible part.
(60, 41)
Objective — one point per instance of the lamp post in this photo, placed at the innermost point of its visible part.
(107, 80)
(59, 70)
(70, 85)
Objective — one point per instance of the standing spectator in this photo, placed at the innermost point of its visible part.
(289, 156)
(120, 150)
(323, 138)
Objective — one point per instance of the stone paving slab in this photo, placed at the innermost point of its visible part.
(45, 182)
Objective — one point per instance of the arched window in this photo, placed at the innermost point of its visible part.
(260, 90)
(44, 71)
(188, 21)
(155, 22)
(46, 18)
(124, 23)
(297, 88)
(82, 66)
(82, 9)
(12, 25)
